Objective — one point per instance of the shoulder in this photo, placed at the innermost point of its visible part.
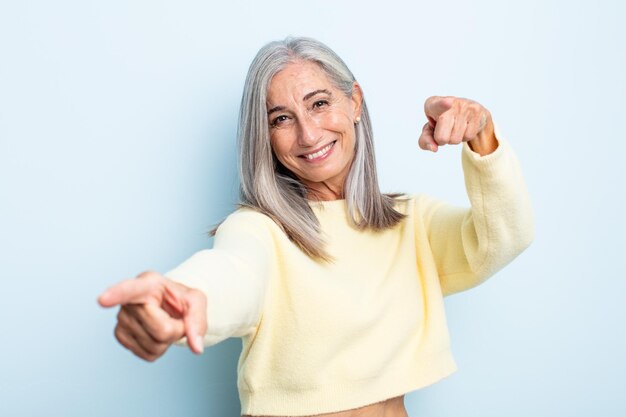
(248, 220)
(417, 206)
(246, 214)
(407, 203)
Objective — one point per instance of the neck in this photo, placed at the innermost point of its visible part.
(324, 191)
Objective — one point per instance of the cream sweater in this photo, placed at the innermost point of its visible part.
(320, 338)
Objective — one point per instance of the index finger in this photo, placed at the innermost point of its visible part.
(435, 106)
(130, 291)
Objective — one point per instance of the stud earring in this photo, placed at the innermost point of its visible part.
(357, 120)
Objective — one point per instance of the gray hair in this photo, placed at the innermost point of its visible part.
(270, 188)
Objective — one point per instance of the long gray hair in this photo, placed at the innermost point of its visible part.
(270, 188)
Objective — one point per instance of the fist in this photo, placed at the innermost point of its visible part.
(452, 120)
(155, 312)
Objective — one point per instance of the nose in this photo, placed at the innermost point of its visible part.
(308, 132)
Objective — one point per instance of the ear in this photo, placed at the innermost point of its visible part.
(357, 99)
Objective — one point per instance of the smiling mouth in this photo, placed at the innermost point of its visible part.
(322, 152)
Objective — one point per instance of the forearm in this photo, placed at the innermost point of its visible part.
(233, 276)
(233, 292)
(471, 244)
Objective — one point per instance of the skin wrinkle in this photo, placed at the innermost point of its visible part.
(307, 113)
(178, 310)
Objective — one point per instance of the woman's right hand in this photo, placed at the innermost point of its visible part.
(155, 312)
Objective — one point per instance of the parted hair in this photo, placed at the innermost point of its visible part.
(270, 188)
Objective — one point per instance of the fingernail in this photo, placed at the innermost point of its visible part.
(432, 147)
(200, 343)
(102, 299)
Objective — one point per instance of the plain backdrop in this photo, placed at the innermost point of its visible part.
(118, 154)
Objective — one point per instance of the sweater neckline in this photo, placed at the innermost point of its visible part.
(327, 204)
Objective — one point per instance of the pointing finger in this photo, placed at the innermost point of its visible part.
(129, 291)
(435, 106)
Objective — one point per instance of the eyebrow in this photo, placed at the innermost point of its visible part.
(313, 93)
(305, 98)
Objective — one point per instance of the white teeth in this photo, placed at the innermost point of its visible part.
(320, 152)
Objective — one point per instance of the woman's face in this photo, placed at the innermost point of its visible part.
(312, 127)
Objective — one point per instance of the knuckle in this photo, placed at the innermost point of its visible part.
(471, 132)
(429, 101)
(122, 316)
(151, 348)
(151, 357)
(469, 136)
(121, 336)
(445, 117)
(482, 108)
(135, 310)
(145, 355)
(159, 336)
(164, 333)
(154, 352)
(195, 296)
(149, 275)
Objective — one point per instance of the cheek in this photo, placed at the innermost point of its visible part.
(332, 120)
(281, 145)
(337, 121)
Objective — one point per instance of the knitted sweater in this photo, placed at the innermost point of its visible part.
(319, 337)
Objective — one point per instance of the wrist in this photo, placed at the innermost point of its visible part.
(485, 142)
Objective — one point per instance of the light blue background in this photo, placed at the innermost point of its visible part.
(117, 154)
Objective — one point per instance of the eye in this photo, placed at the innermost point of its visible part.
(320, 103)
(278, 120)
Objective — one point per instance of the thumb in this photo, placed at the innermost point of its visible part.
(435, 106)
(193, 304)
(427, 139)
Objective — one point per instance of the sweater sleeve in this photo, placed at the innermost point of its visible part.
(470, 245)
(233, 276)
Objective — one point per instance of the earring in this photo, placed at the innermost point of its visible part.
(357, 120)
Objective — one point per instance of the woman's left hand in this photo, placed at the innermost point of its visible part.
(452, 120)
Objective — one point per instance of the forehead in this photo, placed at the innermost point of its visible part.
(298, 78)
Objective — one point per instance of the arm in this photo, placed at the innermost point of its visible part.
(224, 286)
(233, 276)
(469, 245)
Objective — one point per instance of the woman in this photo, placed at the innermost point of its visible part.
(335, 289)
